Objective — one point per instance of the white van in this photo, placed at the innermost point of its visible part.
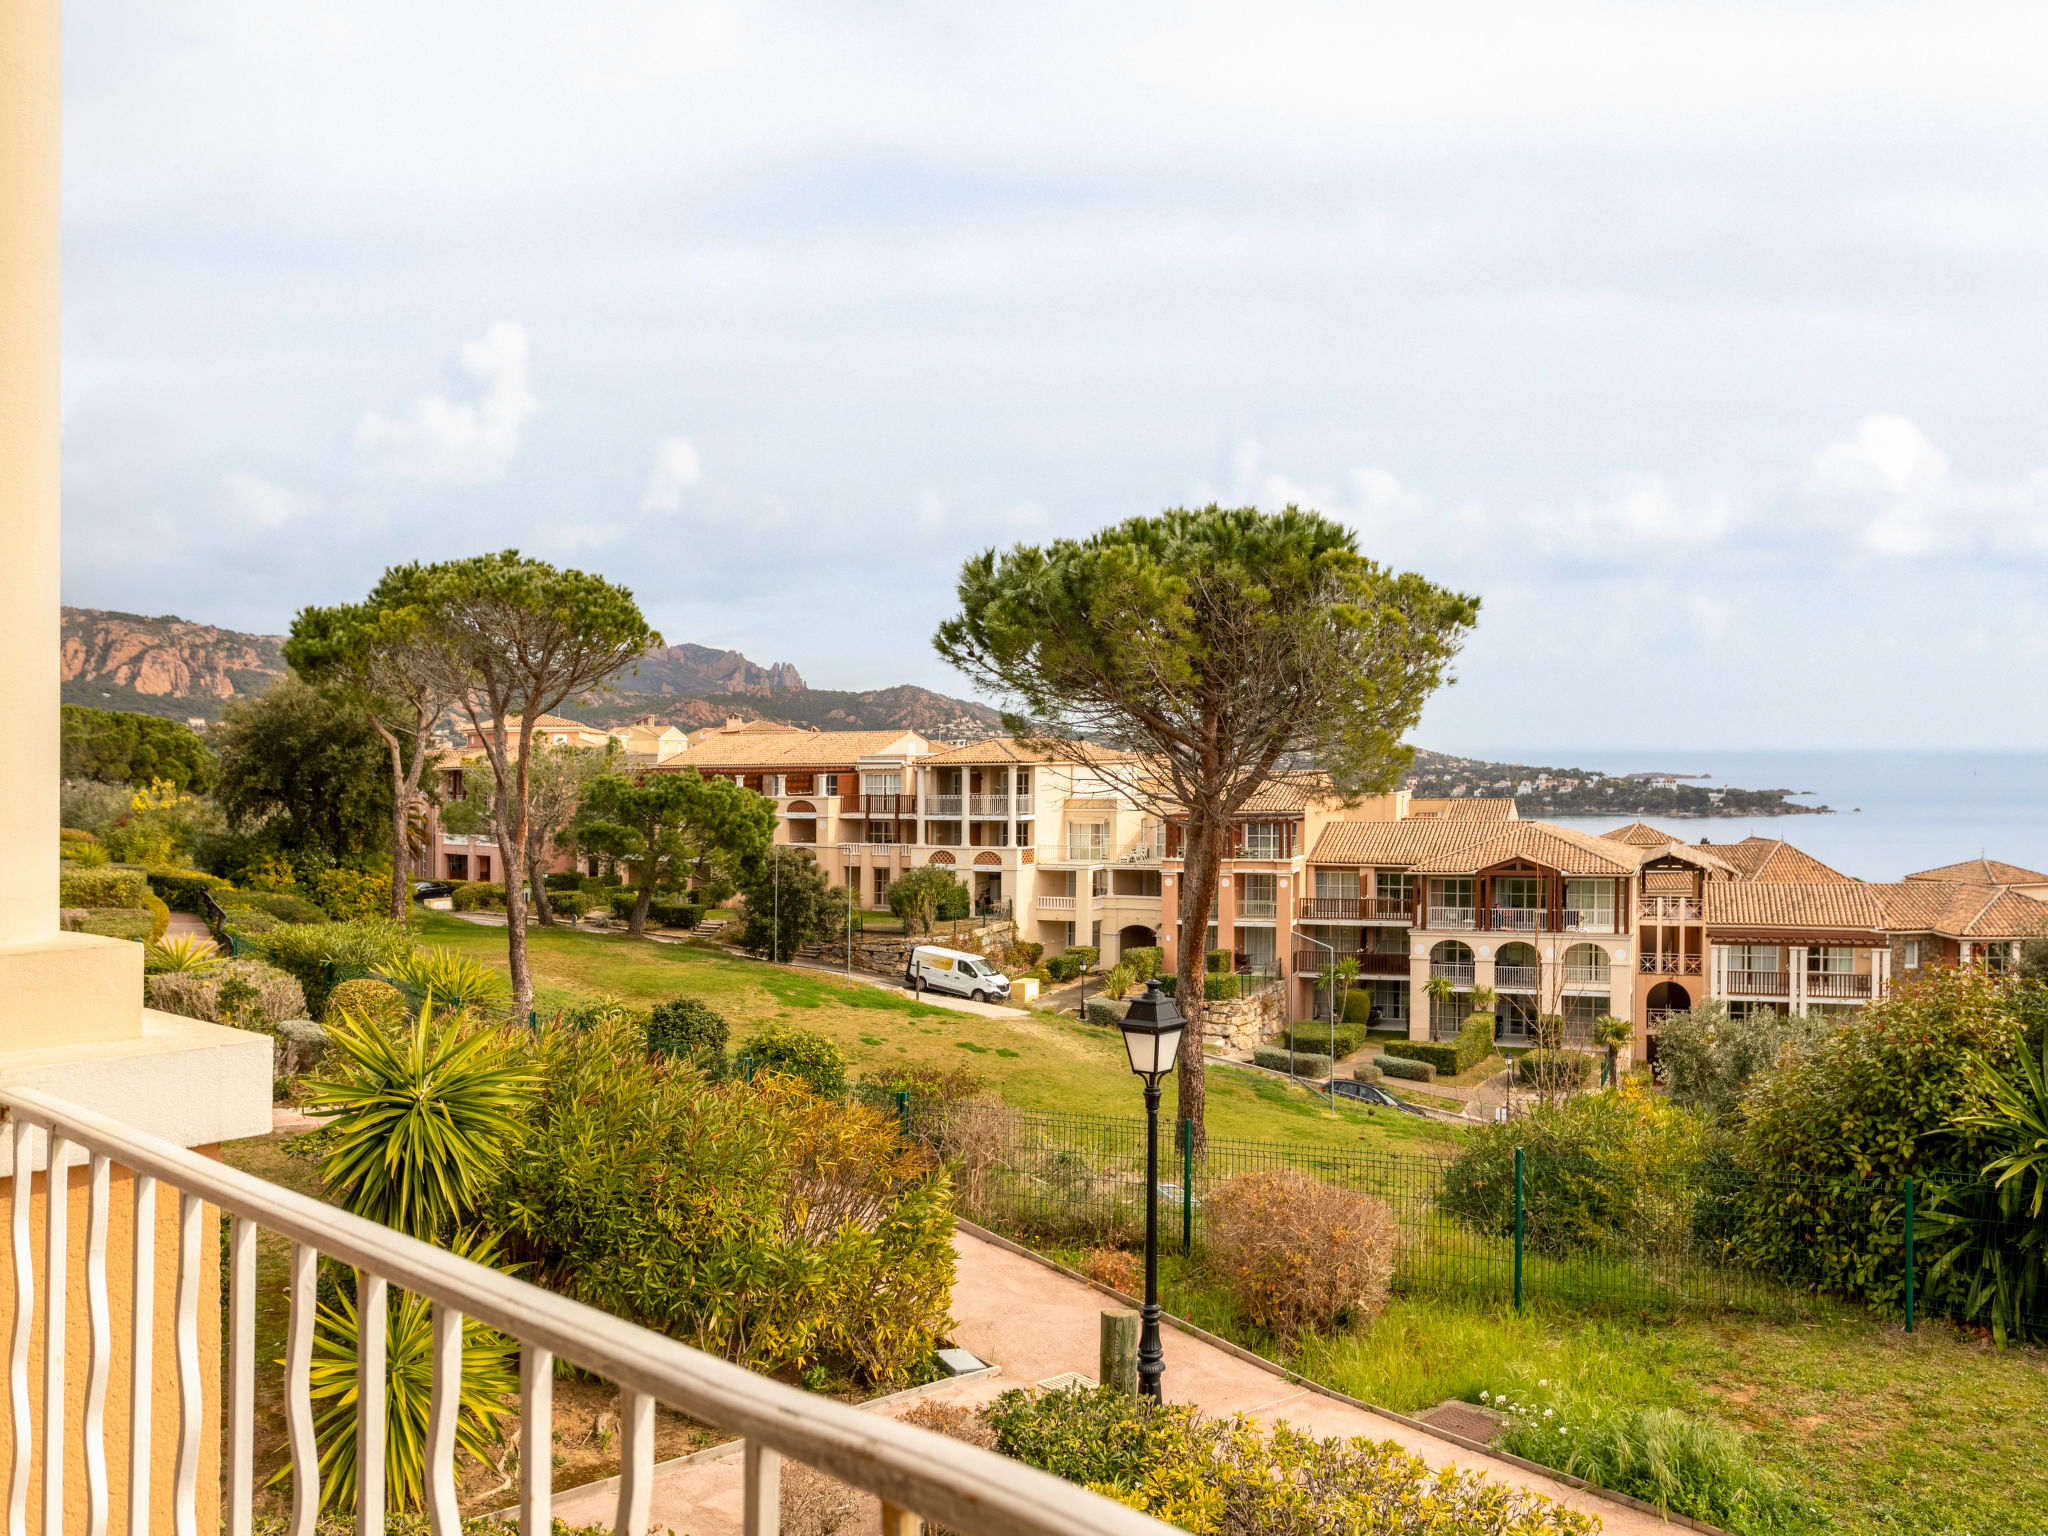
(950, 970)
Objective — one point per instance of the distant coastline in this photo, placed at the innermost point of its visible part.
(1544, 793)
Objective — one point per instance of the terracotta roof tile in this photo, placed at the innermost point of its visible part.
(1959, 909)
(1774, 861)
(1427, 845)
(1983, 872)
(795, 749)
(1846, 904)
(1467, 808)
(1006, 749)
(1641, 834)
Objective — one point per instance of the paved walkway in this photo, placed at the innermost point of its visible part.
(1036, 1323)
(184, 925)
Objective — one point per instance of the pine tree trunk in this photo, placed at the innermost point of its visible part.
(1197, 893)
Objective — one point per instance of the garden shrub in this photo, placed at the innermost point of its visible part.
(1405, 1069)
(448, 980)
(75, 835)
(571, 881)
(1555, 1071)
(184, 890)
(1218, 959)
(804, 1054)
(1682, 1464)
(673, 912)
(1145, 961)
(1119, 980)
(322, 954)
(1827, 1136)
(244, 993)
(1279, 1058)
(101, 888)
(1358, 1007)
(1618, 1172)
(159, 916)
(1027, 952)
(82, 855)
(367, 997)
(569, 904)
(247, 923)
(1315, 1035)
(622, 902)
(758, 1222)
(1107, 1013)
(1089, 955)
(1063, 968)
(1706, 1056)
(113, 923)
(1227, 1477)
(347, 895)
(1298, 1254)
(1221, 987)
(926, 1083)
(1361, 1072)
(281, 905)
(690, 1028)
(478, 896)
(1473, 1045)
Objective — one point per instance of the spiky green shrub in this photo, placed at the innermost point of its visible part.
(449, 980)
(420, 1120)
(490, 1375)
(179, 957)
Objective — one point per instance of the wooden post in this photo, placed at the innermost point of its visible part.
(1119, 1365)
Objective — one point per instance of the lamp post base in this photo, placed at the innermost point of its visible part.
(1151, 1357)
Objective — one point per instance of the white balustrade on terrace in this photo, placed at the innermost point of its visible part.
(988, 805)
(942, 805)
(916, 1474)
(1054, 903)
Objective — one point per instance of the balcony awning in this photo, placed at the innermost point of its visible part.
(1823, 937)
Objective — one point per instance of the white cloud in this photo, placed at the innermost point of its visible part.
(463, 442)
(266, 504)
(1632, 514)
(676, 469)
(1902, 497)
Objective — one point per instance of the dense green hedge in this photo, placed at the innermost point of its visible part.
(107, 887)
(1358, 1006)
(804, 1054)
(184, 890)
(1403, 1067)
(1314, 1034)
(479, 896)
(564, 882)
(1555, 1070)
(1277, 1058)
(1473, 1045)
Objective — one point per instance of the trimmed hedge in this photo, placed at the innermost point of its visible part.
(559, 882)
(1089, 955)
(479, 896)
(1361, 1073)
(1218, 959)
(687, 1027)
(674, 912)
(1308, 1034)
(159, 916)
(282, 905)
(1105, 1013)
(108, 887)
(804, 1054)
(568, 903)
(1405, 1069)
(1473, 1045)
(115, 923)
(183, 890)
(1277, 1058)
(1028, 952)
(1064, 967)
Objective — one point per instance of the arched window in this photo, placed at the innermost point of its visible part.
(1452, 958)
(1585, 965)
(1517, 967)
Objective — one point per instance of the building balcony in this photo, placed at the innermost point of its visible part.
(943, 805)
(1087, 853)
(1259, 908)
(989, 805)
(1355, 909)
(1460, 973)
(881, 805)
(1585, 920)
(1838, 986)
(1757, 983)
(1592, 978)
(1668, 909)
(1311, 962)
(1651, 963)
(1518, 978)
(1453, 918)
(914, 1473)
(1141, 853)
(1517, 919)
(1054, 903)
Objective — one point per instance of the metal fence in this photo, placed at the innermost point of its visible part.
(1510, 1225)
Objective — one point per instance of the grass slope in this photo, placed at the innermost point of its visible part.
(1040, 1062)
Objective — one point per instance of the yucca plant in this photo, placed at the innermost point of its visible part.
(449, 980)
(2000, 1239)
(421, 1118)
(179, 956)
(489, 1374)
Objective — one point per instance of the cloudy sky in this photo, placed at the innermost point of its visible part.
(1705, 342)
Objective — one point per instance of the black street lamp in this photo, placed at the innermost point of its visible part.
(1152, 1030)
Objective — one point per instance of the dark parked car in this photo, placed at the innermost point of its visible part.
(430, 890)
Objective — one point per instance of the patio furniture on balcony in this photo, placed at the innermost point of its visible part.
(913, 1472)
(1452, 917)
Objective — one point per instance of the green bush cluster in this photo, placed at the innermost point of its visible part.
(1106, 1013)
(245, 993)
(115, 923)
(184, 890)
(571, 904)
(1219, 959)
(1026, 953)
(284, 906)
(367, 997)
(569, 881)
(1064, 968)
(1145, 961)
(319, 955)
(101, 888)
(1228, 1477)
(1405, 1068)
(1358, 1007)
(1315, 1035)
(804, 1054)
(689, 1028)
(1473, 1045)
(1279, 1058)
(479, 896)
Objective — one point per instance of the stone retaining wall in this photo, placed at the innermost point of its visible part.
(889, 954)
(1243, 1022)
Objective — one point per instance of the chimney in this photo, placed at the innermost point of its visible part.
(733, 722)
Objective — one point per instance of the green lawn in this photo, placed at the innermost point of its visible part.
(1041, 1062)
(1933, 1433)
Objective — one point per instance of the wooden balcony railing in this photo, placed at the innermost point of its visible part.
(1757, 983)
(1669, 909)
(912, 1471)
(1311, 962)
(881, 805)
(1837, 985)
(1355, 909)
(1652, 963)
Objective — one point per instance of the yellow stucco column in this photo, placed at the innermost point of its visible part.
(55, 988)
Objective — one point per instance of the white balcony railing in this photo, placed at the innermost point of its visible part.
(1587, 920)
(1087, 853)
(1452, 917)
(1520, 978)
(942, 805)
(914, 1473)
(1600, 976)
(1055, 903)
(1460, 972)
(1254, 906)
(1515, 919)
(1140, 853)
(988, 805)
(1023, 805)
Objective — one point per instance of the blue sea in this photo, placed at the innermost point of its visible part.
(1893, 812)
